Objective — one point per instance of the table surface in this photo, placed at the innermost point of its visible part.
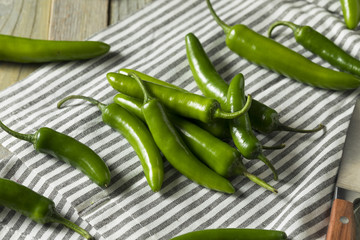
(57, 20)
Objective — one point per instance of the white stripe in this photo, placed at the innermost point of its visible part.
(308, 217)
(155, 53)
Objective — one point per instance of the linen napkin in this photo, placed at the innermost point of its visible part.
(152, 41)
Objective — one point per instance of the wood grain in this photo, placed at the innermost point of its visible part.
(121, 9)
(339, 229)
(77, 20)
(57, 20)
(24, 18)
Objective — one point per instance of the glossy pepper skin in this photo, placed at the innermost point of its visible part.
(223, 159)
(174, 148)
(240, 127)
(139, 137)
(183, 103)
(26, 50)
(263, 118)
(278, 58)
(147, 78)
(233, 234)
(33, 205)
(351, 12)
(317, 43)
(215, 153)
(218, 127)
(69, 150)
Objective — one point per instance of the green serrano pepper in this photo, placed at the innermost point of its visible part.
(139, 137)
(276, 57)
(218, 127)
(33, 205)
(227, 165)
(25, 50)
(240, 128)
(67, 149)
(218, 155)
(351, 12)
(183, 103)
(322, 46)
(147, 78)
(263, 118)
(174, 148)
(233, 234)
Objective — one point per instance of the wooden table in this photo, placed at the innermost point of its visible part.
(57, 20)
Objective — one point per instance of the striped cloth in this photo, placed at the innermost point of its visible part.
(152, 41)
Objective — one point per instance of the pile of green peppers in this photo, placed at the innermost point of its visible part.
(192, 132)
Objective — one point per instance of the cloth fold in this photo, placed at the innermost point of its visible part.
(152, 41)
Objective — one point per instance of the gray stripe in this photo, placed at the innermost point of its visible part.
(316, 204)
(310, 192)
(177, 68)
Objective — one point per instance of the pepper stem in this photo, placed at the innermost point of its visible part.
(220, 22)
(290, 129)
(241, 170)
(219, 113)
(27, 137)
(268, 163)
(142, 86)
(100, 105)
(56, 218)
(281, 146)
(291, 25)
(260, 182)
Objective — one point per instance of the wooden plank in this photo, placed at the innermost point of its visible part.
(121, 9)
(25, 18)
(57, 20)
(77, 20)
(342, 223)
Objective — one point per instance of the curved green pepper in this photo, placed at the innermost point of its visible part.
(240, 127)
(233, 234)
(33, 205)
(147, 78)
(351, 12)
(69, 150)
(263, 118)
(174, 148)
(218, 155)
(139, 137)
(26, 50)
(274, 56)
(322, 46)
(183, 103)
(218, 127)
